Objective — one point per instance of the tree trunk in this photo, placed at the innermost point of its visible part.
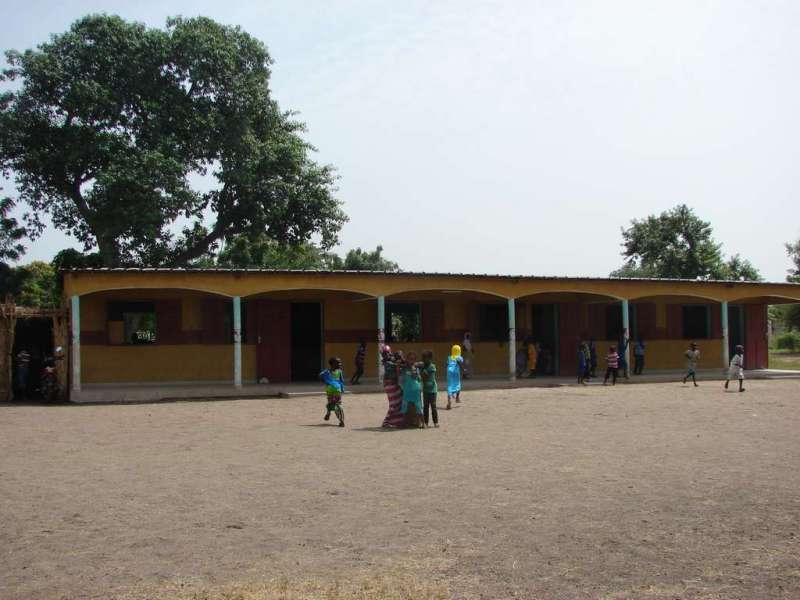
(109, 252)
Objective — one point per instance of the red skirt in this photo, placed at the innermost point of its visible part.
(394, 418)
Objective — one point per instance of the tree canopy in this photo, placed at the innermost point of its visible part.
(677, 244)
(362, 260)
(262, 252)
(113, 121)
(11, 233)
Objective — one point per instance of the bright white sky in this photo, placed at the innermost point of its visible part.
(519, 136)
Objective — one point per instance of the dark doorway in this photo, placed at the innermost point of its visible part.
(544, 330)
(306, 341)
(35, 335)
(736, 327)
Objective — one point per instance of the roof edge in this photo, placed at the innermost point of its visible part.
(412, 274)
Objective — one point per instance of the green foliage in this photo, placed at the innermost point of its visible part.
(73, 259)
(10, 233)
(242, 252)
(789, 341)
(262, 252)
(112, 119)
(794, 253)
(632, 270)
(788, 315)
(35, 284)
(361, 260)
(677, 244)
(737, 268)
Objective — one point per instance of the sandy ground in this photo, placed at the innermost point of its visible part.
(639, 491)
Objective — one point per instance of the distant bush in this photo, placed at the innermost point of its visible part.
(789, 341)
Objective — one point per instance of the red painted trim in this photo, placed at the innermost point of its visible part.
(349, 336)
(94, 338)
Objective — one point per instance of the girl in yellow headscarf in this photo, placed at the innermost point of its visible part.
(455, 366)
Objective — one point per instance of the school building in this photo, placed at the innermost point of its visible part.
(233, 328)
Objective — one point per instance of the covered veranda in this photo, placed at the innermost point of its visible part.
(259, 311)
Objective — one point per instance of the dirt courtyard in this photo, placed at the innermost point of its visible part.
(638, 491)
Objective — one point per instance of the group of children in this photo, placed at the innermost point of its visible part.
(616, 361)
(412, 388)
(411, 385)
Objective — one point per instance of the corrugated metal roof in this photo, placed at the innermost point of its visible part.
(407, 274)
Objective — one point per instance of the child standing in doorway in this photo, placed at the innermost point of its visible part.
(430, 389)
(455, 364)
(334, 388)
(638, 357)
(612, 362)
(361, 354)
(581, 364)
(533, 357)
(692, 356)
(736, 369)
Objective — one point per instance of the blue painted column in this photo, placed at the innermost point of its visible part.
(381, 335)
(626, 325)
(237, 341)
(725, 342)
(512, 340)
(75, 316)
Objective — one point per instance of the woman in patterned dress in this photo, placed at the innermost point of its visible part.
(394, 418)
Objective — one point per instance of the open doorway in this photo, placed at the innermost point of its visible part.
(736, 327)
(544, 330)
(306, 341)
(34, 336)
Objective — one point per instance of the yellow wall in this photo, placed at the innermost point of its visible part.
(341, 312)
(188, 362)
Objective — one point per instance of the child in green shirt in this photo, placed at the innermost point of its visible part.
(430, 390)
(334, 388)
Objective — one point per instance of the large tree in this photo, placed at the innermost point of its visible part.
(677, 244)
(113, 121)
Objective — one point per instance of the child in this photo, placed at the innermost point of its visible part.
(412, 388)
(587, 357)
(623, 353)
(612, 360)
(692, 355)
(533, 357)
(522, 360)
(430, 389)
(592, 358)
(638, 357)
(334, 388)
(455, 364)
(581, 364)
(394, 418)
(360, 355)
(737, 368)
(469, 355)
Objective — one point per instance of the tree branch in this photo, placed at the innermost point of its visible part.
(221, 227)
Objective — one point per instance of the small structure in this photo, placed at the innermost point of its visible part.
(38, 329)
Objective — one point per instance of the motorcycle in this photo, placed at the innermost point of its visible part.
(49, 388)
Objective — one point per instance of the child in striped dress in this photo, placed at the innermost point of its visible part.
(736, 369)
(612, 362)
